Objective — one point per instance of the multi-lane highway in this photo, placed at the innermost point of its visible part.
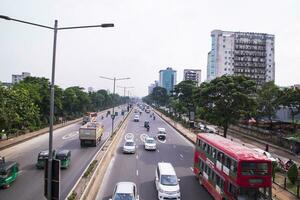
(29, 185)
(140, 167)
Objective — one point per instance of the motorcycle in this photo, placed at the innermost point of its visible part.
(148, 128)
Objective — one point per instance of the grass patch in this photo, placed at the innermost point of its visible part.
(72, 196)
(90, 169)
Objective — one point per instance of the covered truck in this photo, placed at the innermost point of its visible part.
(90, 134)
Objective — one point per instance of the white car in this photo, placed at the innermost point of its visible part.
(267, 154)
(136, 118)
(125, 191)
(129, 146)
(150, 144)
(166, 181)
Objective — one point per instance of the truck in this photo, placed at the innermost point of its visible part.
(89, 117)
(90, 134)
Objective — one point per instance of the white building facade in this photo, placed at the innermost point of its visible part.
(16, 78)
(193, 75)
(242, 53)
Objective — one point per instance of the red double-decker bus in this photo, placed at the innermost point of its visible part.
(230, 170)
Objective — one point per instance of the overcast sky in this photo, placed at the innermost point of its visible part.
(149, 35)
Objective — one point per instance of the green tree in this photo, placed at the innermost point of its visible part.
(75, 101)
(184, 93)
(268, 101)
(160, 96)
(17, 110)
(226, 99)
(292, 173)
(291, 99)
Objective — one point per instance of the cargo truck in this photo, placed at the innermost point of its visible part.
(90, 134)
(89, 117)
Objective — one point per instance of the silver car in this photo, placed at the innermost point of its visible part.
(125, 191)
(150, 144)
(129, 146)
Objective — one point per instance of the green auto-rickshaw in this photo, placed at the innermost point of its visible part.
(8, 172)
(65, 158)
(42, 158)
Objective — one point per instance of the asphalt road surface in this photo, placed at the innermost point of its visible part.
(140, 167)
(30, 183)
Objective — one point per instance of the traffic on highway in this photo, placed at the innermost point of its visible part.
(26, 160)
(154, 164)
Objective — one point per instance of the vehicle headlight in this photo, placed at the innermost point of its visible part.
(161, 191)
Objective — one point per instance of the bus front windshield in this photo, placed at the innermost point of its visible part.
(255, 169)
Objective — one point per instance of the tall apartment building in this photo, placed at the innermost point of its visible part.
(193, 75)
(241, 53)
(167, 79)
(16, 78)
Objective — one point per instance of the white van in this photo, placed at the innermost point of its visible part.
(166, 181)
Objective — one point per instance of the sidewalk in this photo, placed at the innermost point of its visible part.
(277, 192)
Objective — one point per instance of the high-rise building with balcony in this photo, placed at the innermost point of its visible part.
(242, 53)
(193, 75)
(167, 79)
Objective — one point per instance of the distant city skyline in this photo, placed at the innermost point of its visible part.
(147, 36)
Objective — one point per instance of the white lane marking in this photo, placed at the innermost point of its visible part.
(70, 135)
(137, 172)
(137, 156)
(181, 156)
(192, 169)
(157, 150)
(143, 136)
(129, 136)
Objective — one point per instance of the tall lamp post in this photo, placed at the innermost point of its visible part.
(114, 89)
(124, 87)
(55, 29)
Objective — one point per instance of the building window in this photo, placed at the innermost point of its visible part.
(225, 57)
(223, 46)
(225, 51)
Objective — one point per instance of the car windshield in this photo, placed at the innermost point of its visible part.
(169, 180)
(43, 157)
(150, 141)
(123, 196)
(61, 157)
(129, 144)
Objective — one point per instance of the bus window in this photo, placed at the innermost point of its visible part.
(209, 172)
(233, 167)
(204, 146)
(220, 157)
(227, 162)
(233, 190)
(201, 165)
(205, 168)
(214, 153)
(251, 168)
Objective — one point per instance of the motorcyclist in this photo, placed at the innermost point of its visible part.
(153, 117)
(148, 128)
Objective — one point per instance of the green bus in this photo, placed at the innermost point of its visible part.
(42, 158)
(65, 158)
(8, 172)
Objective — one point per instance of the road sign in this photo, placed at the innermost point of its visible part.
(55, 180)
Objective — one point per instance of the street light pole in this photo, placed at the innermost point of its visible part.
(55, 29)
(51, 114)
(113, 109)
(113, 103)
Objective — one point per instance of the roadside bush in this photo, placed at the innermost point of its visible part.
(292, 173)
